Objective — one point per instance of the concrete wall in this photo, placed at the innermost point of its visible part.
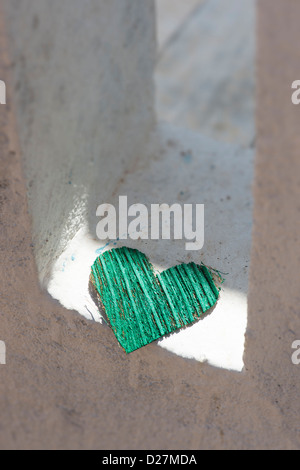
(83, 94)
(274, 297)
(66, 385)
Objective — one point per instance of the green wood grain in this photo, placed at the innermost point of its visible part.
(141, 306)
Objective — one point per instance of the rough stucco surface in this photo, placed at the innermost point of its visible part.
(66, 385)
(274, 321)
(82, 77)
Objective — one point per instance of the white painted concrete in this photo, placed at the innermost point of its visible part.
(205, 75)
(83, 86)
(172, 15)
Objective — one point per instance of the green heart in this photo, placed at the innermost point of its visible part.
(141, 306)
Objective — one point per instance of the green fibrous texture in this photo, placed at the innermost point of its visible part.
(142, 307)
